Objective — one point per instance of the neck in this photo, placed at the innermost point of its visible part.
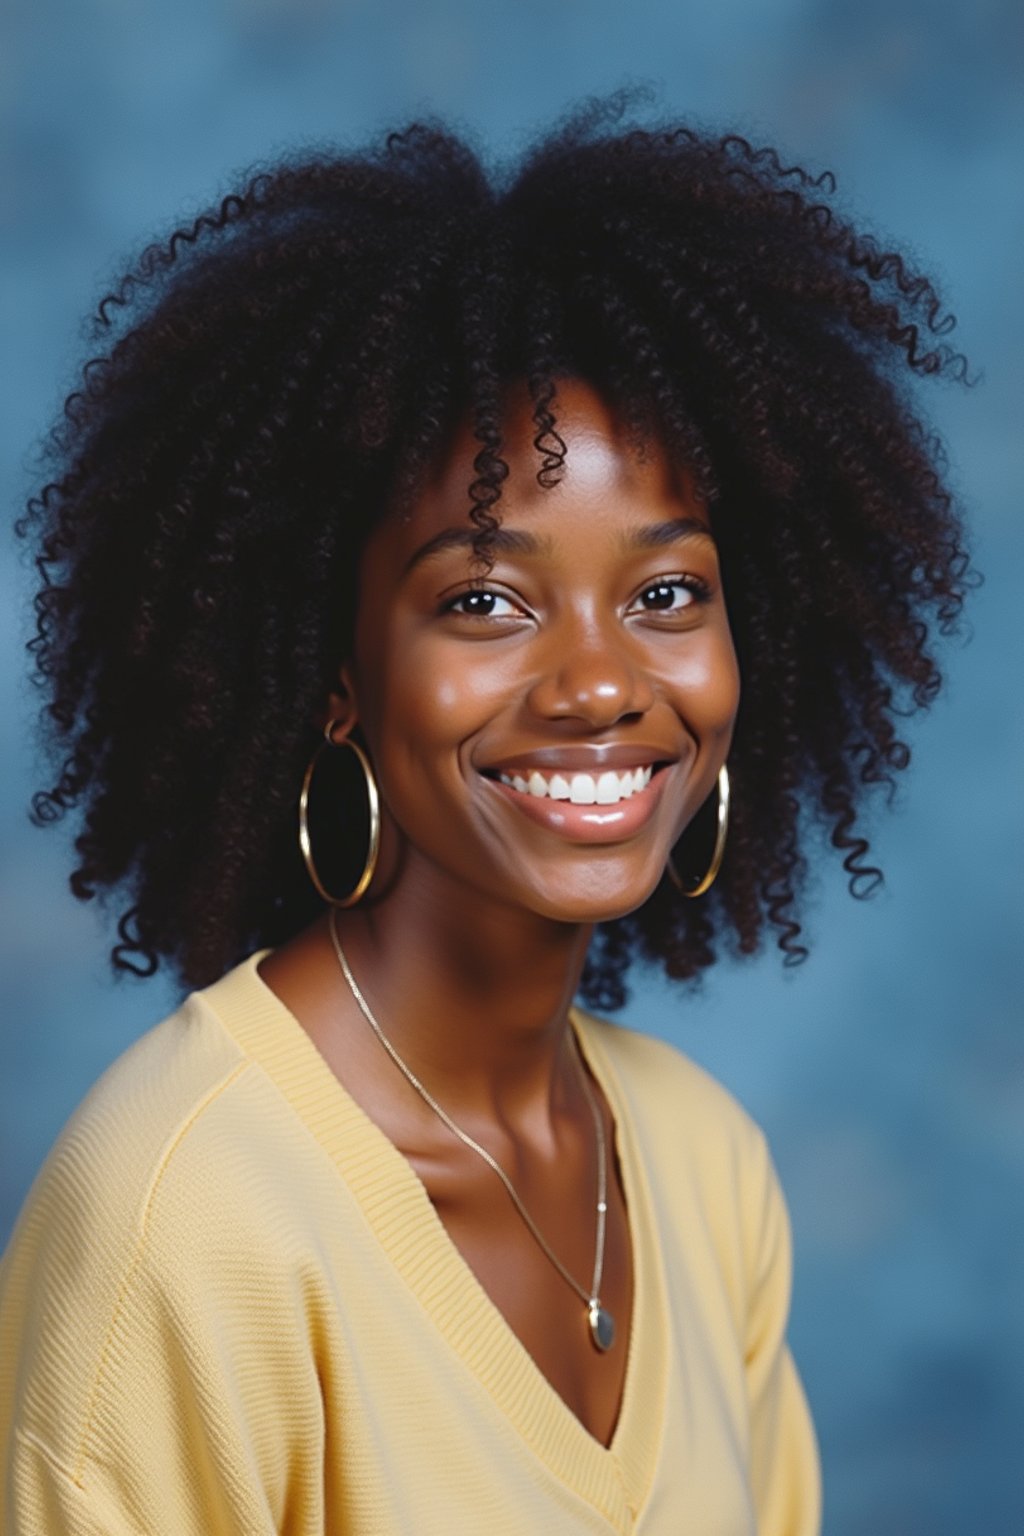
(471, 996)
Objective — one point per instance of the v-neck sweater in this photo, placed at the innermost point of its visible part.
(229, 1308)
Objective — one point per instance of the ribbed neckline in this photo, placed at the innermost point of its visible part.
(614, 1479)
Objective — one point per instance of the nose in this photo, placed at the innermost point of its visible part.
(591, 677)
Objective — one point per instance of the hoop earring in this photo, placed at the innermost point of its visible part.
(374, 807)
(721, 832)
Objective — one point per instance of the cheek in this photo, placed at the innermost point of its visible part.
(424, 699)
(707, 681)
(446, 697)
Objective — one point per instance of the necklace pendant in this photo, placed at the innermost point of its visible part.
(602, 1325)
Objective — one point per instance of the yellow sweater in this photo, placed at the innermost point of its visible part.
(229, 1309)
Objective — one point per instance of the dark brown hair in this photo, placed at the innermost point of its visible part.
(276, 373)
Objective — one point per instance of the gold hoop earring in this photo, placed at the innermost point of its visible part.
(718, 852)
(374, 808)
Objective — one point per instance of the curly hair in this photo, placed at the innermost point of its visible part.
(282, 370)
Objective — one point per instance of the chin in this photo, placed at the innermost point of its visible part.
(601, 905)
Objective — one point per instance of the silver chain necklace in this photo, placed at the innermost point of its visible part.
(599, 1319)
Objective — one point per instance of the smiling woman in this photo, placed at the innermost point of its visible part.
(481, 535)
(597, 642)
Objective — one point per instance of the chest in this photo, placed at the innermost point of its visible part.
(436, 1418)
(526, 1272)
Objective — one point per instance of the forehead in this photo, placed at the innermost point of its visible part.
(606, 471)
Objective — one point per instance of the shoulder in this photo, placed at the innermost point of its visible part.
(161, 1133)
(77, 1239)
(665, 1088)
(701, 1150)
(191, 1079)
(100, 1172)
(134, 1194)
(103, 1165)
(706, 1162)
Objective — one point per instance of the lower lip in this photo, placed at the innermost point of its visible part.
(587, 823)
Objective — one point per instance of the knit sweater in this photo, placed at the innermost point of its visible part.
(230, 1309)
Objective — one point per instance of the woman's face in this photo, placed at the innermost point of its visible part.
(542, 735)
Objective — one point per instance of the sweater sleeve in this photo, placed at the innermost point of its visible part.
(784, 1466)
(181, 1436)
(158, 1374)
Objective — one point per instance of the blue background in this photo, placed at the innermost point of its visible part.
(889, 1070)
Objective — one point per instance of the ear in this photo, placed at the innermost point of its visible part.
(341, 706)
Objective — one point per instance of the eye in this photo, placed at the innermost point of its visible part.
(671, 595)
(482, 603)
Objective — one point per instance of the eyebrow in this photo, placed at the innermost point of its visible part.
(654, 535)
(508, 541)
(515, 541)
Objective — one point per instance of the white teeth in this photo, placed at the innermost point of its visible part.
(609, 789)
(582, 789)
(606, 788)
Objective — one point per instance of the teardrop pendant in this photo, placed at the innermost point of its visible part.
(602, 1325)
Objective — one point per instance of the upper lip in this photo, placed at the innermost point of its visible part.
(582, 759)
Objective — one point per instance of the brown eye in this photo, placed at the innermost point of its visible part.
(661, 596)
(476, 603)
(481, 603)
(671, 596)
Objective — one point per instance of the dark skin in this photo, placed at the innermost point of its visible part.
(599, 643)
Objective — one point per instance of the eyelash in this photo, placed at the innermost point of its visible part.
(698, 589)
(451, 605)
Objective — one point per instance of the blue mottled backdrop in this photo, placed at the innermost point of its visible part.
(889, 1070)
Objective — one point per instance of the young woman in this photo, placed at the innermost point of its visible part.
(457, 586)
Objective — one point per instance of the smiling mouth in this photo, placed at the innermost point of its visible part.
(605, 788)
